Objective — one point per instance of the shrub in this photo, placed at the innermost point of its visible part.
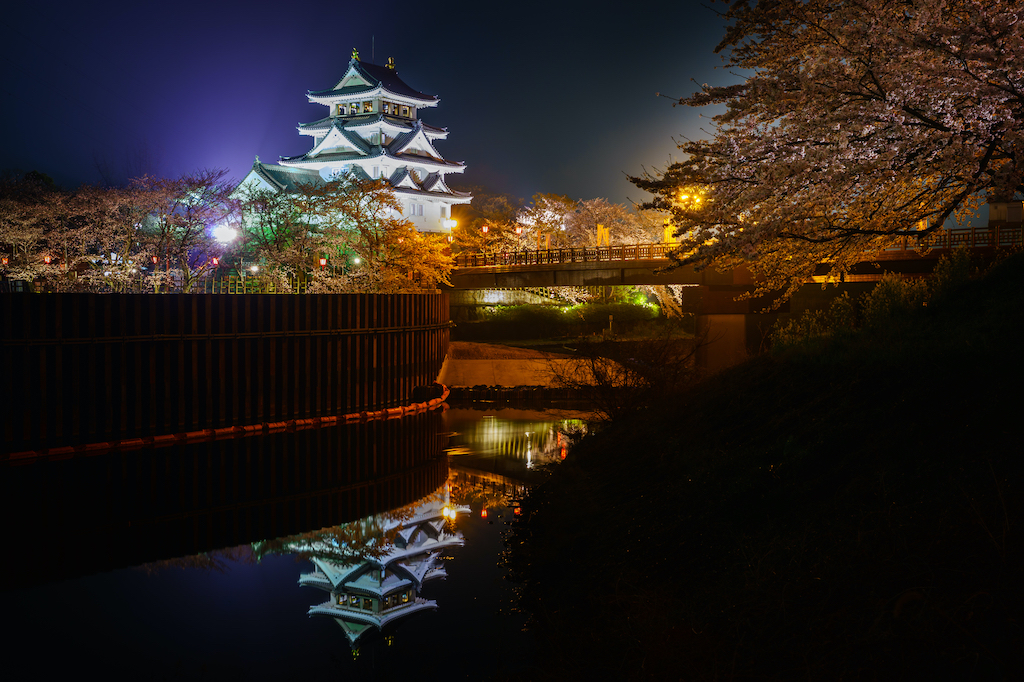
(840, 317)
(893, 298)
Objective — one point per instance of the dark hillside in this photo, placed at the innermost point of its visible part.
(851, 510)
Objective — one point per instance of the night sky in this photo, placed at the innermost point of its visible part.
(537, 96)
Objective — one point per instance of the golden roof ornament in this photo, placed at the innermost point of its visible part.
(391, 63)
(355, 54)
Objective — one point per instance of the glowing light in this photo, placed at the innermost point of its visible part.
(450, 223)
(484, 229)
(323, 262)
(225, 234)
(46, 259)
(519, 229)
(255, 269)
(356, 261)
(483, 513)
(215, 261)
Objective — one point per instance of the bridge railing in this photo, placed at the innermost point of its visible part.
(997, 236)
(993, 236)
(582, 254)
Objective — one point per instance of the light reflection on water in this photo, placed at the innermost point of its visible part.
(245, 610)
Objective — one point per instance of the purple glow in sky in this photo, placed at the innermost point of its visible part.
(537, 96)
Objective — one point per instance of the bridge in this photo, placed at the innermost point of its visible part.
(735, 326)
(636, 264)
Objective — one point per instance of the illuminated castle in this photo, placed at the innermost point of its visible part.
(372, 129)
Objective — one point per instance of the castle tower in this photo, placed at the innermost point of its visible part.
(372, 129)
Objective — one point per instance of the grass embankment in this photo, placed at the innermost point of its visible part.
(848, 510)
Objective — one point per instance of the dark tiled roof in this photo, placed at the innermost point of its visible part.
(401, 174)
(365, 119)
(377, 75)
(325, 122)
(326, 156)
(286, 178)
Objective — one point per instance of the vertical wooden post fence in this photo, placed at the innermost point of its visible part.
(83, 368)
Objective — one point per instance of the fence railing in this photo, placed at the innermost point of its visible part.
(993, 236)
(585, 254)
(232, 284)
(999, 236)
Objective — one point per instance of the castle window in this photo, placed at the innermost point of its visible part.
(367, 107)
(367, 603)
(405, 111)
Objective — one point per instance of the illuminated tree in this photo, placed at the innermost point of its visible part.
(364, 217)
(181, 214)
(50, 233)
(277, 233)
(354, 224)
(859, 123)
(573, 223)
(498, 212)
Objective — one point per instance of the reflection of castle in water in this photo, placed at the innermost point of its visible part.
(374, 568)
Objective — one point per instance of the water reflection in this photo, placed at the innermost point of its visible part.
(362, 507)
(510, 444)
(374, 569)
(127, 508)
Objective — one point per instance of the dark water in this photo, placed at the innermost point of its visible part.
(184, 562)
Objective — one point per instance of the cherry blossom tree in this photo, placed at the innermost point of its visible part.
(363, 217)
(183, 212)
(353, 223)
(859, 123)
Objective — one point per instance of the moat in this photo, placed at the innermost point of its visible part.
(185, 562)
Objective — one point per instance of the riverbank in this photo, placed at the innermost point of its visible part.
(848, 510)
(487, 364)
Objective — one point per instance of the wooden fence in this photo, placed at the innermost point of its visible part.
(82, 368)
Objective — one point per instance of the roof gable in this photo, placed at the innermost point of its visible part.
(339, 141)
(352, 77)
(414, 142)
(402, 178)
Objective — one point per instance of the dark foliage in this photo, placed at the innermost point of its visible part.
(849, 510)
